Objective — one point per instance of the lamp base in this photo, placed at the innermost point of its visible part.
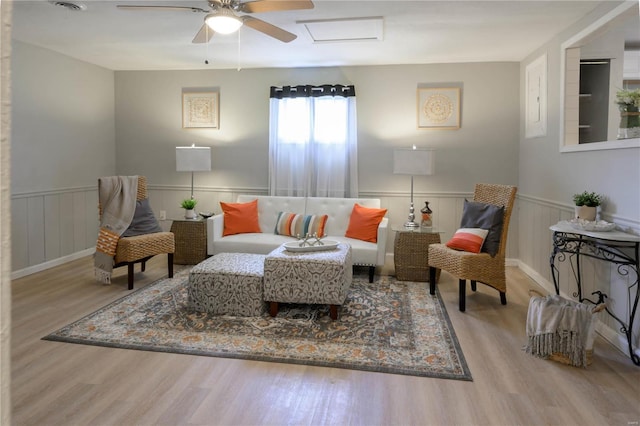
(411, 225)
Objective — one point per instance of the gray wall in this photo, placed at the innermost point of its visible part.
(63, 138)
(547, 181)
(148, 124)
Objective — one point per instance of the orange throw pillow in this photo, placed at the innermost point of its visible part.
(363, 223)
(240, 218)
(468, 239)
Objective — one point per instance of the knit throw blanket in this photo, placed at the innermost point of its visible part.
(557, 325)
(117, 196)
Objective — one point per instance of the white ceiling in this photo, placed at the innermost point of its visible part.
(414, 32)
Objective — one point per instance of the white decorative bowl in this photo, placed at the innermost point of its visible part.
(295, 246)
(595, 225)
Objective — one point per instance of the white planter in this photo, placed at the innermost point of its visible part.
(190, 214)
(586, 213)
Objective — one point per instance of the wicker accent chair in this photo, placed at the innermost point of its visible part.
(140, 248)
(477, 267)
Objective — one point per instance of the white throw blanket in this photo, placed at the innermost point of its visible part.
(557, 325)
(117, 196)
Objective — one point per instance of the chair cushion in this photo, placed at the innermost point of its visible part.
(485, 216)
(468, 239)
(298, 225)
(240, 218)
(144, 221)
(363, 223)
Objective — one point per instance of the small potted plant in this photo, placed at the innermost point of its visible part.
(189, 205)
(586, 205)
(628, 103)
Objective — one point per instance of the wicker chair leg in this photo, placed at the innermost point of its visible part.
(130, 275)
(462, 295)
(432, 280)
(143, 265)
(474, 287)
(170, 264)
(503, 297)
(372, 270)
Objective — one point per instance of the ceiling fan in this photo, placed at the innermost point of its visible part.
(223, 18)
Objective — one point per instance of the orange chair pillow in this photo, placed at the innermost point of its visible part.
(468, 239)
(240, 218)
(363, 223)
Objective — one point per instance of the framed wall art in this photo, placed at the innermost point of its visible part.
(439, 108)
(200, 110)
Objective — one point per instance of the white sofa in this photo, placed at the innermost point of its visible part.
(364, 253)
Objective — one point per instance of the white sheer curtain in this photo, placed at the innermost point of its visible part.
(313, 143)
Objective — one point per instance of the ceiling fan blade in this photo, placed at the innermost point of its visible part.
(268, 29)
(259, 6)
(167, 8)
(204, 34)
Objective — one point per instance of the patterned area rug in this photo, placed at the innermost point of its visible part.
(387, 326)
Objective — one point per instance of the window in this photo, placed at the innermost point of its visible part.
(313, 141)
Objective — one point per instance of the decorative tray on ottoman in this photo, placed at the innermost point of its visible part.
(297, 247)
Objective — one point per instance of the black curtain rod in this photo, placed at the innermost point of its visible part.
(308, 90)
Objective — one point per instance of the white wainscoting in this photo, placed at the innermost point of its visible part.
(534, 252)
(49, 226)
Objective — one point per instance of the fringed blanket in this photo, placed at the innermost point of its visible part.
(557, 325)
(117, 196)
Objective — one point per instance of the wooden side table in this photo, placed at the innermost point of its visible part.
(191, 241)
(411, 251)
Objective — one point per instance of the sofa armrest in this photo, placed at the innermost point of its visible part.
(215, 225)
(382, 240)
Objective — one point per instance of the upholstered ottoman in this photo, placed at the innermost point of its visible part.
(321, 277)
(228, 284)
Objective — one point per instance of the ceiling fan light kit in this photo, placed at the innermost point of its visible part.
(223, 21)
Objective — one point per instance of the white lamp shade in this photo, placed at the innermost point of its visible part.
(413, 162)
(193, 159)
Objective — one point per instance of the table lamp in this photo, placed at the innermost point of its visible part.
(193, 159)
(413, 162)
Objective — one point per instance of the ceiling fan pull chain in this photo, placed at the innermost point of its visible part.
(239, 67)
(206, 45)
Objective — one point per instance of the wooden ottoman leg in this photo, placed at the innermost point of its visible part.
(273, 308)
(333, 312)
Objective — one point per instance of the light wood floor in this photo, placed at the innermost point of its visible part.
(66, 384)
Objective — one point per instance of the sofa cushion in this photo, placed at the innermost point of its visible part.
(468, 239)
(363, 223)
(299, 225)
(338, 209)
(240, 218)
(262, 243)
(269, 206)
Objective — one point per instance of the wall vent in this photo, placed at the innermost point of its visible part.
(76, 7)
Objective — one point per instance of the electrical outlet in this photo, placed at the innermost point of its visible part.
(163, 215)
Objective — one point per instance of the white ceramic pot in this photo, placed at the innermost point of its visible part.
(190, 214)
(586, 213)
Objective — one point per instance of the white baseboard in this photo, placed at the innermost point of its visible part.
(609, 334)
(50, 264)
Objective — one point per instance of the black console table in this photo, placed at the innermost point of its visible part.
(616, 247)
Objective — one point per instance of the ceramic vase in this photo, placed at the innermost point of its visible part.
(427, 216)
(190, 214)
(586, 213)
